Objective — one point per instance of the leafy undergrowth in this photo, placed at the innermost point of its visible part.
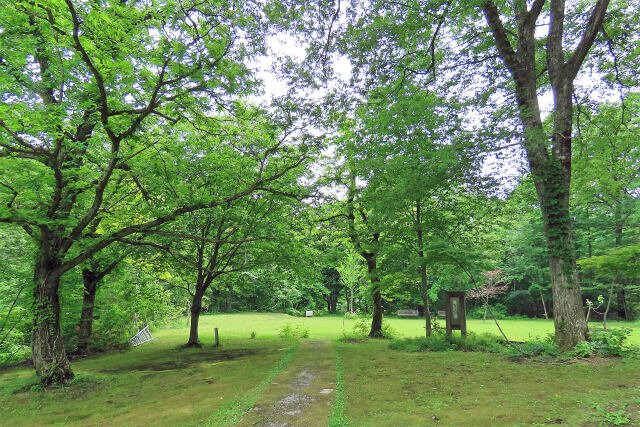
(611, 343)
(384, 387)
(441, 342)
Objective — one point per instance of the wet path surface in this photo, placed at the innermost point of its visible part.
(302, 394)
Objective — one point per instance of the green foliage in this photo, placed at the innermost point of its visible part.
(532, 349)
(441, 342)
(583, 349)
(611, 417)
(298, 331)
(16, 336)
(117, 301)
(499, 310)
(362, 327)
(611, 342)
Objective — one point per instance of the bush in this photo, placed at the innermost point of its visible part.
(433, 343)
(362, 327)
(536, 349)
(298, 331)
(440, 342)
(611, 342)
(294, 312)
(583, 349)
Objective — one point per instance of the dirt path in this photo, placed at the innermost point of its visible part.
(302, 394)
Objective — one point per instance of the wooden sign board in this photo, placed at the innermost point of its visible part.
(456, 312)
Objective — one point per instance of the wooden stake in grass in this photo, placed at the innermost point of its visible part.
(217, 341)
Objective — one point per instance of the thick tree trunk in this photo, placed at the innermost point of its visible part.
(90, 283)
(333, 302)
(550, 164)
(196, 308)
(569, 318)
(47, 346)
(376, 322)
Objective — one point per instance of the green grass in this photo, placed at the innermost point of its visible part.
(160, 383)
(337, 417)
(331, 327)
(390, 388)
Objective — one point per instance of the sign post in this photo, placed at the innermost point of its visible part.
(456, 312)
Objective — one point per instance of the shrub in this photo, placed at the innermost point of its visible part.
(611, 342)
(582, 349)
(440, 342)
(433, 343)
(538, 349)
(298, 331)
(362, 327)
(294, 312)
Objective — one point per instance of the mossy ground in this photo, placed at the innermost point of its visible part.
(161, 383)
(385, 387)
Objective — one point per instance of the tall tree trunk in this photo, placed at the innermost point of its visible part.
(229, 300)
(622, 304)
(589, 246)
(351, 301)
(90, 283)
(376, 322)
(622, 312)
(196, 308)
(606, 311)
(47, 346)
(90, 279)
(550, 164)
(424, 287)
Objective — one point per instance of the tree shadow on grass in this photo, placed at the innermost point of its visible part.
(186, 359)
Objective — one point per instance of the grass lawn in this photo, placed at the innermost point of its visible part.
(160, 383)
(392, 388)
(331, 327)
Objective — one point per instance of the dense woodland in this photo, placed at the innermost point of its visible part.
(145, 174)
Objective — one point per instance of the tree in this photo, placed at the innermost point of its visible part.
(93, 272)
(550, 166)
(90, 93)
(614, 267)
(351, 275)
(605, 182)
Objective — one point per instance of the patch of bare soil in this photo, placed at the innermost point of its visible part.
(300, 395)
